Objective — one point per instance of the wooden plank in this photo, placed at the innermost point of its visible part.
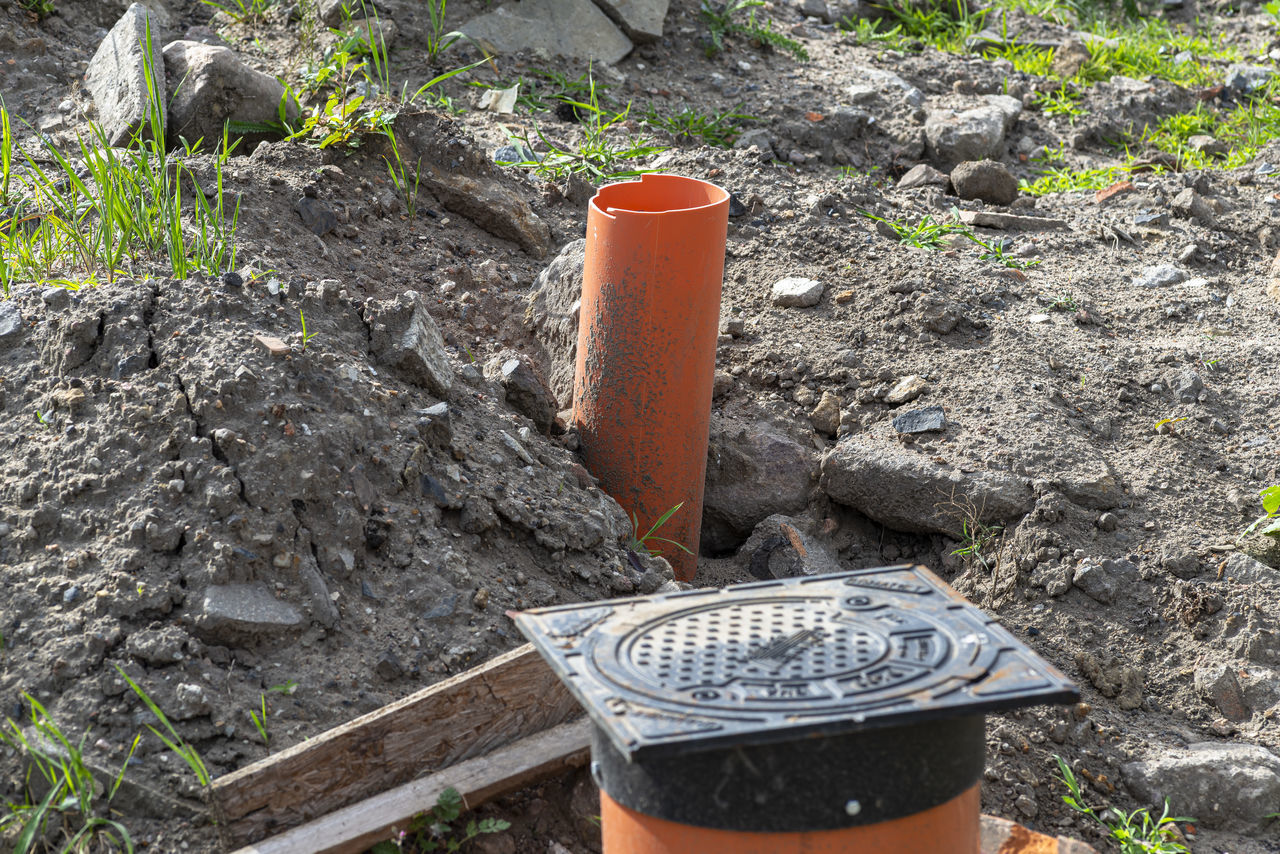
(508, 698)
(355, 828)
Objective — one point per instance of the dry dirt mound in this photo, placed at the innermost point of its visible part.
(1064, 404)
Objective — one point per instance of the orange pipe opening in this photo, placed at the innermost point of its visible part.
(646, 349)
(951, 827)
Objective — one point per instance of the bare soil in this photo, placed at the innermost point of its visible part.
(174, 453)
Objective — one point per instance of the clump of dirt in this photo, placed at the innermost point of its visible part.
(195, 493)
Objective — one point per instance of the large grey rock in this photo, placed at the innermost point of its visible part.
(116, 76)
(907, 491)
(752, 473)
(1243, 569)
(573, 28)
(210, 86)
(987, 180)
(785, 547)
(233, 612)
(1105, 580)
(11, 327)
(1225, 786)
(1243, 77)
(953, 137)
(871, 83)
(492, 207)
(641, 20)
(552, 312)
(403, 335)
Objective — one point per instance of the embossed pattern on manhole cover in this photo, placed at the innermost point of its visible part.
(775, 660)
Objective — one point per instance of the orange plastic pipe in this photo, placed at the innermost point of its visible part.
(647, 347)
(949, 828)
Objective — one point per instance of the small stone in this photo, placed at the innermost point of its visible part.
(56, 298)
(1108, 522)
(987, 180)
(318, 216)
(11, 328)
(1159, 276)
(528, 393)
(1187, 386)
(797, 292)
(232, 279)
(923, 175)
(389, 666)
(1208, 145)
(735, 327)
(825, 417)
(1027, 806)
(906, 390)
(1247, 78)
(1105, 580)
(273, 345)
(925, 420)
(404, 336)
(1217, 683)
(481, 599)
(1188, 203)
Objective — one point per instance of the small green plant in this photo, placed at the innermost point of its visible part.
(173, 741)
(640, 544)
(926, 234)
(1065, 301)
(260, 720)
(438, 40)
(597, 155)
(73, 795)
(117, 210)
(718, 129)
(1270, 518)
(242, 11)
(39, 8)
(1063, 101)
(725, 19)
(1135, 832)
(434, 829)
(976, 541)
(996, 251)
(306, 336)
(869, 31)
(405, 183)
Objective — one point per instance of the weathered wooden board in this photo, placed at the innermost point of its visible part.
(469, 715)
(353, 829)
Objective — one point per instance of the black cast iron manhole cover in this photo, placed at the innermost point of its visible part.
(778, 660)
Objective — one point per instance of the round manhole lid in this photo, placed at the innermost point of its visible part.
(768, 661)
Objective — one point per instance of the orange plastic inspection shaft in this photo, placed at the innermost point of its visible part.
(647, 347)
(949, 828)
